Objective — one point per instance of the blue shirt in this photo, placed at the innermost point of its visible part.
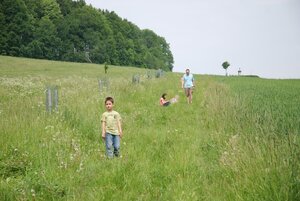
(188, 80)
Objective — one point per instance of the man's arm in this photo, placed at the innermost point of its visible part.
(193, 81)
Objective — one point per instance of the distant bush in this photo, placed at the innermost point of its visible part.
(249, 76)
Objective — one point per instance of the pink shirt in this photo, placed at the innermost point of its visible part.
(162, 101)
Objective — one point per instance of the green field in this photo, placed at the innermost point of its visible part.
(239, 140)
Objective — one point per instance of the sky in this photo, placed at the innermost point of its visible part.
(259, 37)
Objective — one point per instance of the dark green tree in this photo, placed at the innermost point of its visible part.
(51, 9)
(159, 49)
(15, 26)
(105, 67)
(85, 30)
(73, 31)
(65, 6)
(225, 65)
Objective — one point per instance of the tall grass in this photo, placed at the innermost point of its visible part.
(239, 140)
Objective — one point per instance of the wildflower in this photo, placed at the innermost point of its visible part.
(63, 165)
(32, 192)
(80, 167)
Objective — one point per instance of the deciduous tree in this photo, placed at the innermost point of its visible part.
(225, 65)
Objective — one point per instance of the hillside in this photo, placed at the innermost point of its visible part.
(238, 140)
(68, 30)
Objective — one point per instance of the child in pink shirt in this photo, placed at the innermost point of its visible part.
(163, 101)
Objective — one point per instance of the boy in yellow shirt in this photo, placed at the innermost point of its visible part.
(111, 129)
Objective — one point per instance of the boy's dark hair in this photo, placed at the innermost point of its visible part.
(109, 99)
(164, 95)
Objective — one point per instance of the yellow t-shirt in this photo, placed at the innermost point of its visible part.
(111, 122)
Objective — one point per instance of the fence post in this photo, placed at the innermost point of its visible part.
(51, 98)
(135, 79)
(56, 98)
(103, 84)
(149, 76)
(48, 99)
(159, 73)
(100, 85)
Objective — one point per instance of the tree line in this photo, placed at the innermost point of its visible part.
(68, 30)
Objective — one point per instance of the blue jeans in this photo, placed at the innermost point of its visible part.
(112, 144)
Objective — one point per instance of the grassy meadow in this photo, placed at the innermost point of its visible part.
(238, 140)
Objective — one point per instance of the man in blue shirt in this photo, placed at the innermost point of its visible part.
(187, 82)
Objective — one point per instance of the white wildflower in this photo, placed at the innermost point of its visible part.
(32, 192)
